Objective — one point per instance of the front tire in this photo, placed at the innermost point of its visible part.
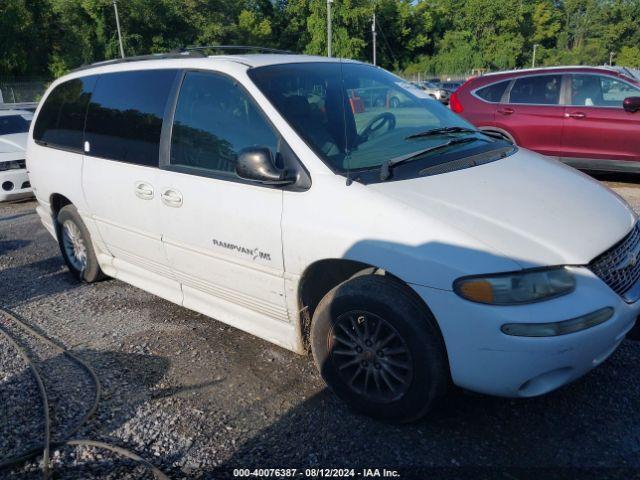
(76, 247)
(379, 349)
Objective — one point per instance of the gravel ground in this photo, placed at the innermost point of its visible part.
(198, 398)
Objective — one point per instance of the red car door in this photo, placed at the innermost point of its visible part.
(533, 114)
(596, 126)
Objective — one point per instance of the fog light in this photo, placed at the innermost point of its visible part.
(558, 328)
(7, 186)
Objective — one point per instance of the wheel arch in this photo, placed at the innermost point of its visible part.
(323, 275)
(57, 201)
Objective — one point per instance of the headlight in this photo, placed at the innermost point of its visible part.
(12, 165)
(516, 288)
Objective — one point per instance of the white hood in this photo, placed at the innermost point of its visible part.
(531, 209)
(15, 142)
(13, 146)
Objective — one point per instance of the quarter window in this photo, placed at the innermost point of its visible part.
(538, 90)
(493, 93)
(599, 91)
(61, 119)
(214, 120)
(125, 115)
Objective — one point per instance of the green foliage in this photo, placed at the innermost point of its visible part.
(629, 56)
(50, 37)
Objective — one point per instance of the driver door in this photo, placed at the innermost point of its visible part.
(221, 233)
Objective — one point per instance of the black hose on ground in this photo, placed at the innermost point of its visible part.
(47, 444)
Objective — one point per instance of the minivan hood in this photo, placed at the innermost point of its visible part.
(529, 208)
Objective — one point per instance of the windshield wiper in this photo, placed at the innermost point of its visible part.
(442, 130)
(385, 168)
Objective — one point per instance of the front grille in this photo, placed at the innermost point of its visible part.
(619, 267)
(13, 165)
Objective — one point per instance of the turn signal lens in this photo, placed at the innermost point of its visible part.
(516, 288)
(477, 290)
(558, 328)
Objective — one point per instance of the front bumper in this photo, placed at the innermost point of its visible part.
(14, 184)
(484, 359)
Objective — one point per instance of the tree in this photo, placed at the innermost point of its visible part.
(24, 37)
(49, 37)
(628, 57)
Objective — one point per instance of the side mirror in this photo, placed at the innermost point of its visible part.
(631, 104)
(256, 164)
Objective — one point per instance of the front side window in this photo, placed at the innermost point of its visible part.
(14, 124)
(125, 115)
(356, 116)
(536, 90)
(600, 91)
(61, 119)
(214, 120)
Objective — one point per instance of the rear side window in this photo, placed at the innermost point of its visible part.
(493, 93)
(214, 120)
(537, 90)
(61, 118)
(125, 115)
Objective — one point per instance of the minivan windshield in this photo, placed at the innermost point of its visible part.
(359, 117)
(10, 124)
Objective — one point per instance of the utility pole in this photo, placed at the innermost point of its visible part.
(373, 33)
(329, 2)
(533, 61)
(611, 54)
(115, 7)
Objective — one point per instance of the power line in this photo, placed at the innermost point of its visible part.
(384, 37)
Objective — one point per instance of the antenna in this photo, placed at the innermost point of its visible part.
(115, 7)
(329, 35)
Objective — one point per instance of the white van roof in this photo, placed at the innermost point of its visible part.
(250, 60)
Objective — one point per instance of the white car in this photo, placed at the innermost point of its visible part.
(435, 91)
(405, 249)
(14, 128)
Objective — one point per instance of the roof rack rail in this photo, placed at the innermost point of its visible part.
(137, 58)
(247, 48)
(184, 52)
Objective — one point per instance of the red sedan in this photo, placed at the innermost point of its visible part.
(587, 117)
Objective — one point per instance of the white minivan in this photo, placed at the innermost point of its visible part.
(328, 206)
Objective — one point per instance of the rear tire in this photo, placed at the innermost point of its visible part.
(76, 247)
(379, 349)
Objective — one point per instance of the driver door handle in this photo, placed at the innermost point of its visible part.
(143, 190)
(506, 111)
(574, 115)
(171, 198)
